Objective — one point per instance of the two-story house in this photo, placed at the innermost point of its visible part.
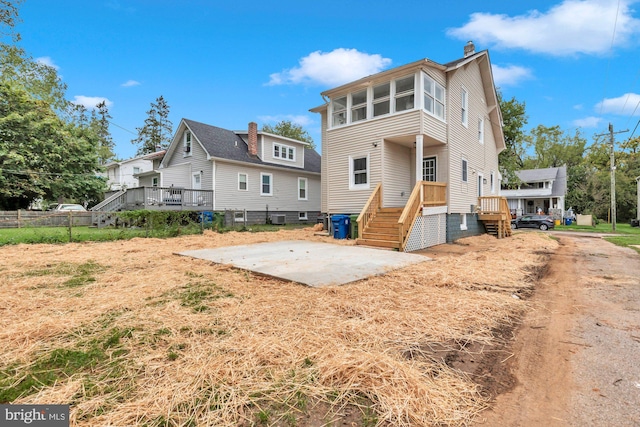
(256, 177)
(411, 149)
(124, 174)
(540, 190)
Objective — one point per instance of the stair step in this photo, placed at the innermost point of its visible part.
(378, 243)
(375, 235)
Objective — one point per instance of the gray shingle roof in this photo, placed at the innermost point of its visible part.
(559, 175)
(225, 144)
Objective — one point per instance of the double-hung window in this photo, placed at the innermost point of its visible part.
(187, 143)
(465, 107)
(359, 172)
(339, 111)
(481, 130)
(358, 106)
(242, 182)
(433, 97)
(381, 99)
(302, 188)
(266, 184)
(404, 94)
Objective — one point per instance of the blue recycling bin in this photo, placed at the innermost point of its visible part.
(206, 217)
(340, 226)
(567, 221)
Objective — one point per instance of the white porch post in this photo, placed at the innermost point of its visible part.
(419, 156)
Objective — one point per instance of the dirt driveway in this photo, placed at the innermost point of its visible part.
(576, 356)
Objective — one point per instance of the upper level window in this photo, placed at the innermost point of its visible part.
(187, 143)
(481, 130)
(284, 152)
(136, 170)
(465, 107)
(405, 93)
(359, 106)
(433, 97)
(381, 98)
(339, 106)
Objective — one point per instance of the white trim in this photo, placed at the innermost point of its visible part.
(270, 175)
(480, 184)
(303, 216)
(196, 176)
(481, 130)
(464, 101)
(282, 147)
(434, 210)
(306, 188)
(463, 221)
(464, 170)
(492, 182)
(352, 184)
(186, 143)
(246, 181)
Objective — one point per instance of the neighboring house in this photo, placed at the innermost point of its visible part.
(541, 189)
(124, 174)
(417, 144)
(256, 177)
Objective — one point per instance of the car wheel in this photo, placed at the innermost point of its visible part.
(544, 227)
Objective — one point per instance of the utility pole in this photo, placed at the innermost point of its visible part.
(613, 173)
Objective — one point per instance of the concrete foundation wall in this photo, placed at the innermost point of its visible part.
(260, 217)
(474, 227)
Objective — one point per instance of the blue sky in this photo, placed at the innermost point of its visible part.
(573, 63)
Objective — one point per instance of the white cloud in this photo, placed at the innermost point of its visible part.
(622, 105)
(510, 75)
(578, 107)
(90, 102)
(331, 68)
(587, 122)
(130, 83)
(573, 26)
(300, 120)
(46, 60)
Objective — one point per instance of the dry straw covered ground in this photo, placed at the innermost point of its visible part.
(130, 334)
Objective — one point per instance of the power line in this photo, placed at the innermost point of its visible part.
(31, 172)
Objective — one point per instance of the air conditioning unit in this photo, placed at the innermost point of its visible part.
(187, 149)
(278, 219)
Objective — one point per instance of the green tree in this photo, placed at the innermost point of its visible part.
(514, 119)
(9, 18)
(41, 155)
(100, 125)
(157, 129)
(290, 130)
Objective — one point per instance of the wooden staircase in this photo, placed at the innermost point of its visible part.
(495, 214)
(383, 230)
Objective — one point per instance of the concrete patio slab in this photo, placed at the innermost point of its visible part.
(310, 263)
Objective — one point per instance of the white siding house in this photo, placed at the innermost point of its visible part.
(420, 122)
(254, 175)
(540, 190)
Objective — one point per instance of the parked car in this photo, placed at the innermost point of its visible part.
(68, 207)
(543, 222)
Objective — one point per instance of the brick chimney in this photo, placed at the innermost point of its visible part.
(469, 49)
(253, 139)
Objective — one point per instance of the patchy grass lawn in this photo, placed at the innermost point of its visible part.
(625, 234)
(130, 334)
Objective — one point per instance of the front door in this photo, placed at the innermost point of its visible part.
(429, 169)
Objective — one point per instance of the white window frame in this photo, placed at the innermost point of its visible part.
(435, 166)
(481, 130)
(367, 171)
(262, 175)
(196, 180)
(465, 170)
(154, 181)
(383, 99)
(238, 216)
(246, 181)
(465, 107)
(137, 170)
(463, 221)
(306, 188)
(302, 216)
(430, 91)
(284, 152)
(398, 95)
(354, 107)
(188, 143)
(336, 112)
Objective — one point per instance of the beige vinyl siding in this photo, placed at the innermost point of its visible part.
(324, 167)
(463, 142)
(358, 140)
(284, 189)
(396, 167)
(441, 153)
(268, 143)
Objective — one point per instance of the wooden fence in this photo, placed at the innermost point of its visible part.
(24, 218)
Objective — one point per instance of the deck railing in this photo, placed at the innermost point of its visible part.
(169, 198)
(370, 209)
(493, 205)
(424, 194)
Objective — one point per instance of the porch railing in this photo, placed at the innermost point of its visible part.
(493, 205)
(370, 209)
(169, 198)
(424, 194)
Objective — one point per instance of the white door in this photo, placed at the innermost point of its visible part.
(429, 169)
(196, 183)
(480, 178)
